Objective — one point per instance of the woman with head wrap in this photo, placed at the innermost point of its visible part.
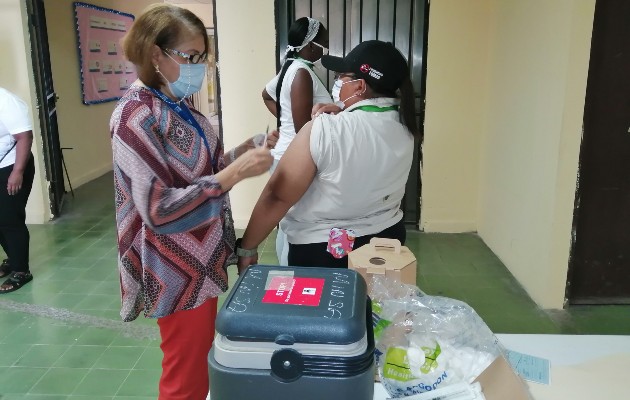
(291, 94)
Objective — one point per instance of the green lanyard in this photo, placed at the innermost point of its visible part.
(305, 61)
(310, 66)
(370, 108)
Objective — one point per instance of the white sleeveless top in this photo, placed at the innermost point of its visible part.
(363, 160)
(14, 119)
(287, 129)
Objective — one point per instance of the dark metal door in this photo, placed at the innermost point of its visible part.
(349, 22)
(47, 103)
(600, 263)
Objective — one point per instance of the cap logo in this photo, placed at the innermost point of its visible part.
(366, 69)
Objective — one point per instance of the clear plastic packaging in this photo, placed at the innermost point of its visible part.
(260, 140)
(427, 342)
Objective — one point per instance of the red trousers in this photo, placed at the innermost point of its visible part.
(186, 340)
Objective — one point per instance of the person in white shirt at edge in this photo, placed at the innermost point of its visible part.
(299, 89)
(346, 170)
(17, 170)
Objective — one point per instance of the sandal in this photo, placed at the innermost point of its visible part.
(16, 280)
(5, 268)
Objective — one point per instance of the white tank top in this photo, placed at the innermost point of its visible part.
(287, 129)
(14, 119)
(363, 159)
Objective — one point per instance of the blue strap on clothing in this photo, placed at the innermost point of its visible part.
(184, 112)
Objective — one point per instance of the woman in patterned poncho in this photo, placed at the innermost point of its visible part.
(175, 232)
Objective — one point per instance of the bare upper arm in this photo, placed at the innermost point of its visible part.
(301, 98)
(270, 103)
(26, 135)
(296, 169)
(266, 96)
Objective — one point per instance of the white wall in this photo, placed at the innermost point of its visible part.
(16, 76)
(456, 111)
(202, 10)
(246, 35)
(529, 157)
(506, 81)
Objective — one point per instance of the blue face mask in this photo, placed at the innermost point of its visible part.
(190, 79)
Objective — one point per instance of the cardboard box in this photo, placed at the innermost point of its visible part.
(384, 257)
(500, 382)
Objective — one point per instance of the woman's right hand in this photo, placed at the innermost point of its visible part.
(253, 162)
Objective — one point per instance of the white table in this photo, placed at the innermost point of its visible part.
(583, 367)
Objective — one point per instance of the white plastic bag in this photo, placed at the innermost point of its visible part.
(424, 343)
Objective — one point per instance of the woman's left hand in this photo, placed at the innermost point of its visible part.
(325, 108)
(272, 139)
(14, 183)
(244, 262)
(268, 140)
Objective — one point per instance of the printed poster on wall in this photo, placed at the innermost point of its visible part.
(105, 73)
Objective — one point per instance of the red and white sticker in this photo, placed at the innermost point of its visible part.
(296, 291)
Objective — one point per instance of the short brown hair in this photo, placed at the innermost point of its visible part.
(162, 25)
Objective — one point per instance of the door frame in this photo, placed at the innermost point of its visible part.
(46, 106)
(575, 293)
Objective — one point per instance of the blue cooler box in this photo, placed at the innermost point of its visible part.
(294, 333)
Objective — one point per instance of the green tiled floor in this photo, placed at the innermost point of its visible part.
(61, 336)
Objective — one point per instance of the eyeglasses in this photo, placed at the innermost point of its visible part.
(340, 75)
(193, 58)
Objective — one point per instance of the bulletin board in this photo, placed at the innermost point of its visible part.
(105, 73)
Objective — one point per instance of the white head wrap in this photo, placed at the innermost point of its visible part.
(313, 28)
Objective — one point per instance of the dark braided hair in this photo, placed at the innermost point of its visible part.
(296, 35)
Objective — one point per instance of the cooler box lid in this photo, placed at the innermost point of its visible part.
(288, 305)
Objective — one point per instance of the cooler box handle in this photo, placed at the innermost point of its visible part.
(386, 244)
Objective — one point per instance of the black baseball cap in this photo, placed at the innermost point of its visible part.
(380, 63)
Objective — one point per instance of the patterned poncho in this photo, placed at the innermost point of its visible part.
(171, 212)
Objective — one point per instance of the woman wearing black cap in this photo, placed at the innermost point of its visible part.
(344, 175)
